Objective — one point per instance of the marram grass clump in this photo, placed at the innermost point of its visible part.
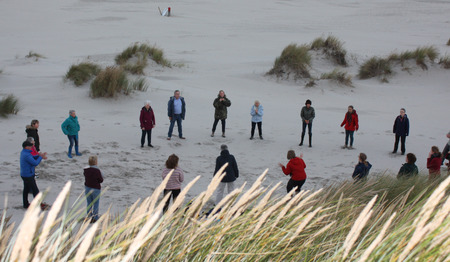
(445, 62)
(109, 83)
(338, 76)
(82, 73)
(34, 55)
(9, 105)
(375, 67)
(381, 219)
(293, 60)
(142, 51)
(332, 47)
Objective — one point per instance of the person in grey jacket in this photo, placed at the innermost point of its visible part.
(307, 114)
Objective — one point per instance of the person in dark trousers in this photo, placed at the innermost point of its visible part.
(92, 188)
(307, 114)
(408, 169)
(257, 112)
(147, 120)
(32, 131)
(434, 162)
(70, 128)
(173, 186)
(27, 166)
(232, 172)
(351, 125)
(362, 168)
(445, 154)
(296, 170)
(176, 110)
(401, 130)
(220, 113)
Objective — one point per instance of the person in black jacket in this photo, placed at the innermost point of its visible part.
(232, 172)
(401, 130)
(32, 131)
(408, 169)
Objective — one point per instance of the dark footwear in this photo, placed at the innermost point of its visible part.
(45, 206)
(212, 134)
(251, 138)
(301, 144)
(394, 152)
(69, 155)
(310, 145)
(344, 146)
(168, 138)
(182, 137)
(93, 220)
(403, 153)
(78, 154)
(150, 145)
(260, 137)
(142, 145)
(223, 135)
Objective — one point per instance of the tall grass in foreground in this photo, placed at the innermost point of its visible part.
(293, 60)
(9, 105)
(381, 219)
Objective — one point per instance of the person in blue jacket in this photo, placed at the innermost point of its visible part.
(257, 112)
(70, 128)
(401, 130)
(176, 110)
(362, 168)
(27, 166)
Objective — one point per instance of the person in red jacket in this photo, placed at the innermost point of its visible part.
(147, 119)
(351, 125)
(434, 163)
(296, 169)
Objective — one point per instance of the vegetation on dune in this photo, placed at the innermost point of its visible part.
(445, 62)
(141, 52)
(114, 81)
(9, 105)
(448, 42)
(338, 76)
(332, 47)
(83, 72)
(375, 67)
(293, 60)
(379, 219)
(34, 55)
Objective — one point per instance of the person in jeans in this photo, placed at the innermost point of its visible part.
(70, 128)
(220, 113)
(296, 170)
(351, 125)
(176, 110)
(147, 120)
(257, 112)
(173, 186)
(401, 130)
(307, 114)
(27, 166)
(231, 172)
(92, 184)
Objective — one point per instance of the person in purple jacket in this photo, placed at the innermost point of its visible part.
(401, 130)
(92, 180)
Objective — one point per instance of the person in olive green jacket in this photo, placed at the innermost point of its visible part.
(70, 128)
(220, 104)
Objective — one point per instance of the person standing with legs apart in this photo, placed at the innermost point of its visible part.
(173, 186)
(220, 113)
(32, 131)
(307, 114)
(70, 128)
(92, 188)
(296, 170)
(147, 119)
(257, 112)
(401, 130)
(176, 110)
(351, 125)
(232, 172)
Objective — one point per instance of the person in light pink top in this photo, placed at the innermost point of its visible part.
(173, 186)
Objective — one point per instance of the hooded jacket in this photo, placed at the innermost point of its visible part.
(401, 126)
(221, 111)
(232, 171)
(70, 127)
(33, 132)
(28, 163)
(351, 121)
(407, 170)
(296, 169)
(147, 118)
(361, 170)
(434, 164)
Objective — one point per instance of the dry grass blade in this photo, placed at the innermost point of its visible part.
(84, 247)
(268, 212)
(377, 240)
(304, 223)
(182, 195)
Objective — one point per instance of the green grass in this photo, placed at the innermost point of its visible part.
(142, 50)
(82, 73)
(109, 83)
(331, 46)
(293, 60)
(445, 62)
(9, 105)
(375, 67)
(139, 85)
(138, 67)
(34, 55)
(338, 76)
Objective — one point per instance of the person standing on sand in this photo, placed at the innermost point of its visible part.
(70, 128)
(232, 172)
(307, 114)
(34, 152)
(296, 170)
(32, 131)
(147, 120)
(351, 125)
(173, 186)
(362, 168)
(220, 113)
(434, 161)
(176, 110)
(257, 112)
(92, 188)
(401, 130)
(409, 169)
(28, 163)
(445, 151)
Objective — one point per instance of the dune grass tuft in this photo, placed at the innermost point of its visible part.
(142, 50)
(109, 83)
(448, 42)
(332, 47)
(82, 73)
(138, 67)
(375, 67)
(139, 85)
(338, 76)
(34, 55)
(445, 62)
(293, 60)
(9, 105)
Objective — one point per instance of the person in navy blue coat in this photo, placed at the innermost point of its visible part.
(401, 130)
(176, 110)
(362, 168)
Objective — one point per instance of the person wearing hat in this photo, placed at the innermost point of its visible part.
(232, 172)
(27, 166)
(307, 114)
(70, 128)
(147, 119)
(401, 130)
